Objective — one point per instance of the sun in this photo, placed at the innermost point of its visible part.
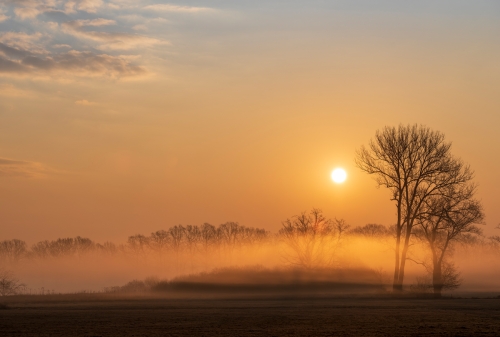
(339, 175)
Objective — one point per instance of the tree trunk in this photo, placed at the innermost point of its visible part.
(404, 252)
(437, 278)
(396, 287)
(402, 266)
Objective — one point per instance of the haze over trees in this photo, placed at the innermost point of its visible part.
(437, 214)
(429, 187)
(308, 242)
(312, 240)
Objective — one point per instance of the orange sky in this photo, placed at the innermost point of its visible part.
(118, 118)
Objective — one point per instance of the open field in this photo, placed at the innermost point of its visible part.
(100, 315)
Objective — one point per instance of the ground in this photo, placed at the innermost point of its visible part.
(97, 315)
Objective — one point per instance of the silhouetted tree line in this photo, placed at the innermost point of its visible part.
(15, 250)
(198, 238)
(373, 231)
(178, 238)
(311, 238)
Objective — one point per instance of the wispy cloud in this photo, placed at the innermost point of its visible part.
(177, 8)
(17, 61)
(94, 23)
(21, 168)
(83, 37)
(3, 17)
(108, 40)
(28, 42)
(89, 6)
(84, 102)
(27, 12)
(8, 90)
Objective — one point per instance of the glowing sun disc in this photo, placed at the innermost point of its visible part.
(339, 175)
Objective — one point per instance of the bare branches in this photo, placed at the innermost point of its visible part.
(416, 165)
(9, 285)
(312, 240)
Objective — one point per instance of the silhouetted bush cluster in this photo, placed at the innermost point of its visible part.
(259, 280)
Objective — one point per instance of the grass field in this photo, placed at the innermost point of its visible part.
(103, 315)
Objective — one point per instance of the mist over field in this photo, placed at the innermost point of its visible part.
(232, 255)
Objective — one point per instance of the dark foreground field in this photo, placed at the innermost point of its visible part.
(106, 316)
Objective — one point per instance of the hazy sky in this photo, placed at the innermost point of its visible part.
(122, 117)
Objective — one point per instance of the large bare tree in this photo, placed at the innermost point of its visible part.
(445, 218)
(414, 163)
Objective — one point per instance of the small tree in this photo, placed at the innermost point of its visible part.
(9, 285)
(311, 239)
(450, 279)
(445, 218)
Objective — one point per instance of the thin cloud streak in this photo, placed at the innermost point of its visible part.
(8, 90)
(21, 168)
(109, 40)
(178, 9)
(84, 102)
(22, 62)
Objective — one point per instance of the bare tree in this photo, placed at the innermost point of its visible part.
(12, 250)
(450, 279)
(253, 236)
(176, 238)
(496, 238)
(138, 244)
(192, 235)
(107, 247)
(159, 241)
(312, 239)
(9, 285)
(414, 163)
(41, 249)
(445, 218)
(229, 232)
(208, 236)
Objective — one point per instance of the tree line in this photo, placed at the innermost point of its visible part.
(174, 239)
(309, 235)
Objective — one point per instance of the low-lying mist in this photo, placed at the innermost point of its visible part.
(237, 258)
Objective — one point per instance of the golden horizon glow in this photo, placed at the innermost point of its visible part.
(339, 175)
(125, 118)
